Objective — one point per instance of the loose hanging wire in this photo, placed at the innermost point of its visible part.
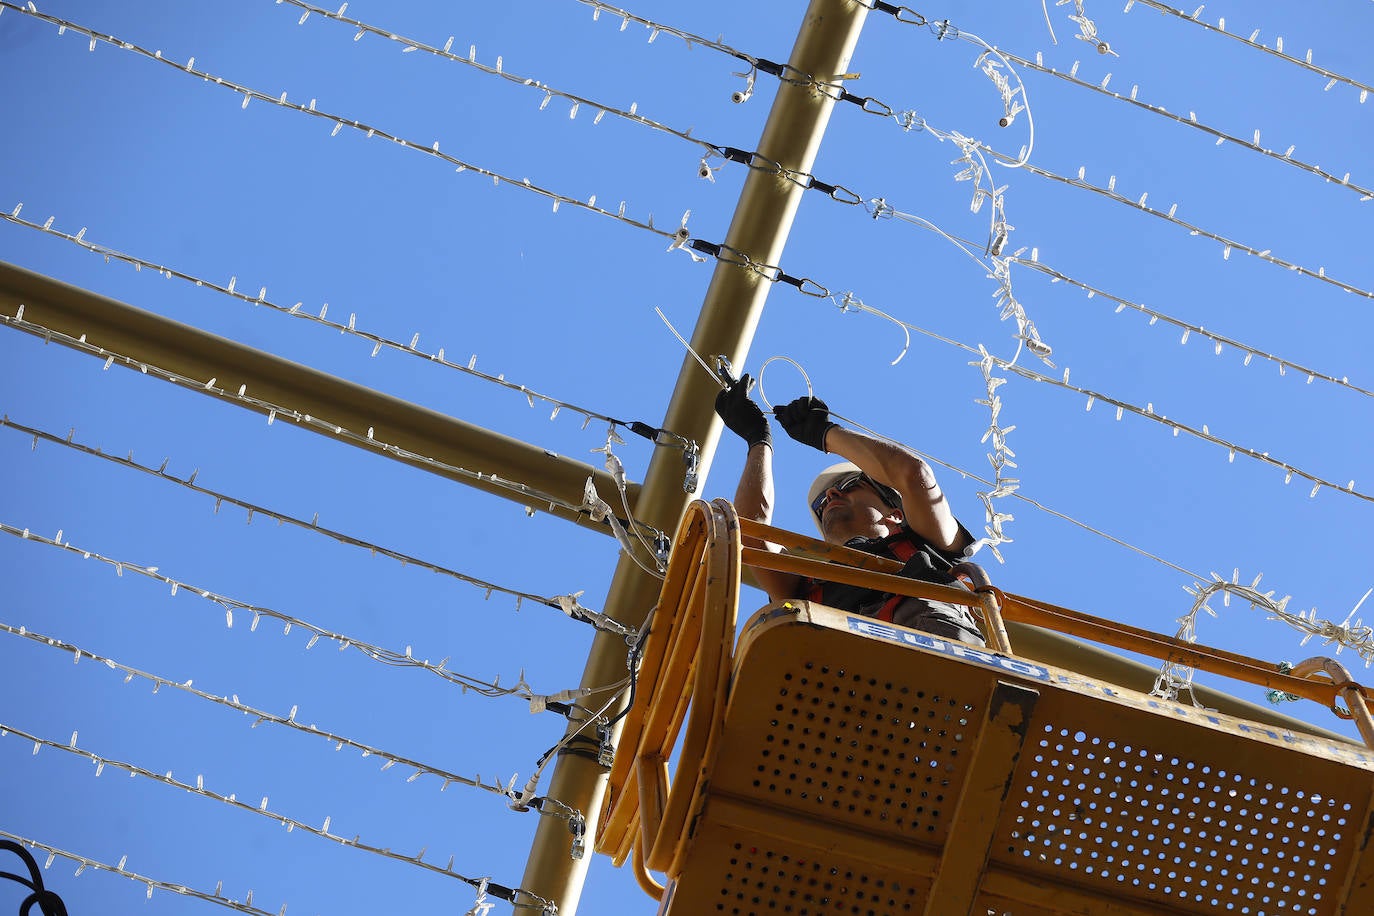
(559, 602)
(260, 716)
(261, 809)
(1332, 78)
(49, 903)
(659, 550)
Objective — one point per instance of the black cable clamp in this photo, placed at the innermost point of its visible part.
(49, 904)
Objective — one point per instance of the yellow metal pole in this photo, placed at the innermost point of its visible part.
(734, 302)
(197, 355)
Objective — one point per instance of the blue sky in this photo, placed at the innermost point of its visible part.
(147, 160)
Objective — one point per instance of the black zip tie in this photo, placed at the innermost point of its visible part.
(805, 285)
(770, 67)
(735, 154)
(836, 192)
(499, 891)
(705, 247)
(896, 11)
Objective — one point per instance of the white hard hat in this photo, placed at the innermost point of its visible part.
(836, 472)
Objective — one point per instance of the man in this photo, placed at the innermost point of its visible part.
(884, 500)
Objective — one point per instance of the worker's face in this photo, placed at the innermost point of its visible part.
(852, 508)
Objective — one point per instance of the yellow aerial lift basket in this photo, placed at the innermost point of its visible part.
(833, 764)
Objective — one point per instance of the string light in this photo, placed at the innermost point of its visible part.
(470, 60)
(1219, 341)
(1203, 433)
(261, 716)
(1222, 137)
(432, 149)
(1148, 412)
(975, 168)
(1277, 51)
(658, 28)
(273, 411)
(997, 267)
(83, 863)
(658, 436)
(314, 526)
(1175, 679)
(1001, 457)
(1139, 204)
(261, 810)
(405, 659)
(600, 510)
(1087, 29)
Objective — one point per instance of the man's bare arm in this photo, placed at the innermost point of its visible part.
(754, 494)
(925, 506)
(754, 500)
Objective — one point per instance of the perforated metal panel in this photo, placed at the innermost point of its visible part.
(855, 749)
(758, 879)
(842, 786)
(1226, 823)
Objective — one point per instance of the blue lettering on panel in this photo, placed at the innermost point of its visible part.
(867, 626)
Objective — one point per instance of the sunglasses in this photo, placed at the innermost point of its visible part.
(841, 485)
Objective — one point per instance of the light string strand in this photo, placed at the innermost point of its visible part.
(379, 342)
(1122, 406)
(260, 716)
(972, 146)
(446, 53)
(752, 160)
(1203, 433)
(489, 689)
(261, 809)
(658, 28)
(560, 602)
(1174, 679)
(677, 238)
(1169, 216)
(1219, 341)
(1147, 412)
(1087, 29)
(1191, 121)
(83, 863)
(1277, 51)
(369, 441)
(879, 208)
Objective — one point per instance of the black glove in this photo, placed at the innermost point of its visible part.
(743, 417)
(807, 420)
